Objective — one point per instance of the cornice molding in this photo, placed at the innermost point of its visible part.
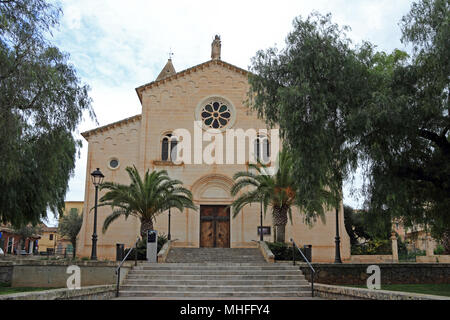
(107, 127)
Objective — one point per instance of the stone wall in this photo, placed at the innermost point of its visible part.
(379, 258)
(87, 293)
(391, 273)
(53, 274)
(434, 258)
(6, 271)
(346, 293)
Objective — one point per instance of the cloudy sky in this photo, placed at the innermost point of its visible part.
(117, 46)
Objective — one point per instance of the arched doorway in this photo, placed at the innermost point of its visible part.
(212, 194)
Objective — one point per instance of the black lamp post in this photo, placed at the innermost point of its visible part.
(97, 179)
(261, 236)
(168, 233)
(337, 258)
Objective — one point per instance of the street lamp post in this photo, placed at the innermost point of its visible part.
(337, 258)
(261, 236)
(97, 179)
(168, 233)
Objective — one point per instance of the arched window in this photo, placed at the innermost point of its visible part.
(169, 148)
(262, 149)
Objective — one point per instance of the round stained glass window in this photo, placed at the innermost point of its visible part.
(216, 114)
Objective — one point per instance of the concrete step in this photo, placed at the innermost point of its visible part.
(201, 282)
(208, 267)
(219, 294)
(183, 255)
(217, 288)
(163, 273)
(276, 277)
(214, 264)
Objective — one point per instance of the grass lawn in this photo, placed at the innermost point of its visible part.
(433, 289)
(5, 289)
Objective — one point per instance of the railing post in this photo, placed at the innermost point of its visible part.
(312, 284)
(118, 283)
(293, 254)
(135, 254)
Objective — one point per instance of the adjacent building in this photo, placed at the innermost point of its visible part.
(11, 241)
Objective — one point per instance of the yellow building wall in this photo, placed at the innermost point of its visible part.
(45, 241)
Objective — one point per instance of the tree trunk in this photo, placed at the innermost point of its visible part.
(74, 245)
(146, 224)
(280, 219)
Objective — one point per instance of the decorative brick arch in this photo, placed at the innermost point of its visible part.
(213, 188)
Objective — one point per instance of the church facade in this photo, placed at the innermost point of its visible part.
(207, 97)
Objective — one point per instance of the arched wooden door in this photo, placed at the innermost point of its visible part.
(214, 227)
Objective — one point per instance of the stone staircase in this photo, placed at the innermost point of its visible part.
(240, 275)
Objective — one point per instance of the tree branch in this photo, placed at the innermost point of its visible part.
(440, 141)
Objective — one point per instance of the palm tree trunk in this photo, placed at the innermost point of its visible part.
(279, 221)
(146, 224)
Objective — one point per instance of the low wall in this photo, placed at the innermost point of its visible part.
(346, 293)
(162, 254)
(6, 271)
(434, 259)
(266, 252)
(85, 293)
(53, 274)
(381, 258)
(391, 273)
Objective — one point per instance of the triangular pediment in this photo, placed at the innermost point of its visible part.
(197, 68)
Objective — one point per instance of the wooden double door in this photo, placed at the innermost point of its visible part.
(214, 227)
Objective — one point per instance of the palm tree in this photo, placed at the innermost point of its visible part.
(144, 199)
(278, 191)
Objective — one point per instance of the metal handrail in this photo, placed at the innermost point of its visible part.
(313, 272)
(120, 265)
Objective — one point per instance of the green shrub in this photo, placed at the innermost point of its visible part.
(142, 248)
(372, 247)
(283, 251)
(411, 255)
(439, 250)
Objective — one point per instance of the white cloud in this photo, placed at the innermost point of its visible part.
(119, 45)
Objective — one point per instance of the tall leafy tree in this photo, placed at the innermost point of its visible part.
(69, 226)
(407, 142)
(278, 192)
(42, 101)
(144, 198)
(340, 106)
(311, 89)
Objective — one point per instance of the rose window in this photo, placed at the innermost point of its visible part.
(216, 114)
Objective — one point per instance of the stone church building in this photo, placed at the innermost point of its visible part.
(213, 94)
